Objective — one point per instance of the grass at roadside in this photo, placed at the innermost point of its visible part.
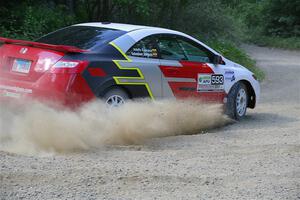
(234, 53)
(292, 43)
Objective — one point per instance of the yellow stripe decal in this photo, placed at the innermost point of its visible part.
(140, 77)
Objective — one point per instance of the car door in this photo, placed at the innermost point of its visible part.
(187, 70)
(144, 56)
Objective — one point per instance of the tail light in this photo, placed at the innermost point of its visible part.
(44, 64)
(66, 64)
(69, 66)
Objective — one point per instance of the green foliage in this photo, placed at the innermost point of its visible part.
(38, 21)
(208, 19)
(282, 18)
(268, 22)
(31, 22)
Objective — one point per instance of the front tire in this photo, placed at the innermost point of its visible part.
(115, 97)
(237, 101)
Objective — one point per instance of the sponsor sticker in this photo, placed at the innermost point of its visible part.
(204, 79)
(210, 82)
(144, 52)
(229, 75)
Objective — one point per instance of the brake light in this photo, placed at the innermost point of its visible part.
(69, 66)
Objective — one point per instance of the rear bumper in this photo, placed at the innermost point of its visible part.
(63, 89)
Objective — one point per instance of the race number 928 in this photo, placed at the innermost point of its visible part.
(217, 79)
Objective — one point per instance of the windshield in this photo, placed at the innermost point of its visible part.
(83, 37)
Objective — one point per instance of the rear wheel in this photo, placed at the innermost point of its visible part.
(237, 101)
(115, 97)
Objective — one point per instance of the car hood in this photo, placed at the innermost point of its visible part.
(235, 65)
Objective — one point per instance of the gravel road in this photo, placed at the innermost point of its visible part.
(258, 158)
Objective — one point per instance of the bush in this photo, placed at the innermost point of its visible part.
(31, 22)
(208, 19)
(282, 18)
(273, 23)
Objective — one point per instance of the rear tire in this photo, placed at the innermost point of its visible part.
(237, 101)
(115, 97)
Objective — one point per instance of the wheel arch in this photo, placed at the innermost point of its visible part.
(132, 90)
(116, 87)
(251, 93)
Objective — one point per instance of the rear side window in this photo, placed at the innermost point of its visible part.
(145, 48)
(83, 37)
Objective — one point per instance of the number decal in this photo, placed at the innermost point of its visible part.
(217, 79)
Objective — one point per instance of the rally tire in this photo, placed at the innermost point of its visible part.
(237, 101)
(115, 97)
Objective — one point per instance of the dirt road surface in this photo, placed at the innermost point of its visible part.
(258, 158)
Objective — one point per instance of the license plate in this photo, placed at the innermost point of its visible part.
(21, 66)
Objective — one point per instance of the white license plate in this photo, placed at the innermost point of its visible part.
(21, 66)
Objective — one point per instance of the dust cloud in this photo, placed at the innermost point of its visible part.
(36, 128)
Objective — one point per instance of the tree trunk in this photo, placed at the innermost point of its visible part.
(70, 5)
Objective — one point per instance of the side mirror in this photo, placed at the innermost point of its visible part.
(217, 59)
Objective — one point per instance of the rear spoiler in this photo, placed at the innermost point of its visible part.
(61, 48)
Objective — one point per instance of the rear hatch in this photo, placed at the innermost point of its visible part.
(28, 61)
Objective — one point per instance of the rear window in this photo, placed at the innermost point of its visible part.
(83, 37)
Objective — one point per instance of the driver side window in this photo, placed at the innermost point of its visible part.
(170, 49)
(173, 47)
(194, 53)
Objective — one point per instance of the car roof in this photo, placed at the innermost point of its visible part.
(117, 26)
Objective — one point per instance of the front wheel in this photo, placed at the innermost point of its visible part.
(237, 101)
